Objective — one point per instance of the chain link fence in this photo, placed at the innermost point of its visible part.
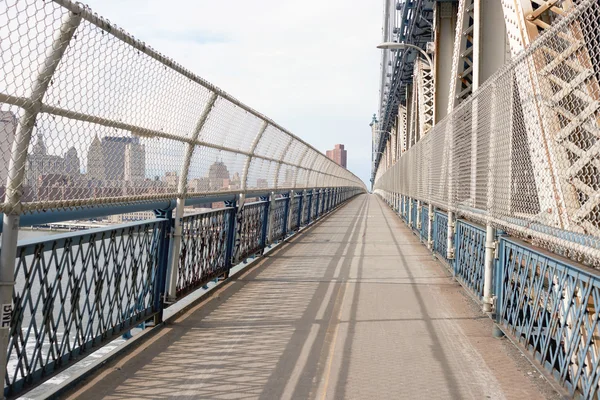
(523, 153)
(90, 115)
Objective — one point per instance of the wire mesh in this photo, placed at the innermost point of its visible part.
(523, 152)
(90, 115)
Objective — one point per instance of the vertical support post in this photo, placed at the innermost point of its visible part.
(410, 206)
(16, 172)
(300, 208)
(289, 215)
(271, 224)
(230, 244)
(265, 222)
(286, 215)
(430, 227)
(310, 202)
(182, 190)
(164, 246)
(450, 239)
(490, 250)
(419, 211)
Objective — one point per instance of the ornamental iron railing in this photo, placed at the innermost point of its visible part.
(76, 292)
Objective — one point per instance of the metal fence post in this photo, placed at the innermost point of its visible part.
(430, 227)
(265, 223)
(300, 209)
(286, 214)
(419, 211)
(310, 200)
(490, 250)
(230, 244)
(410, 206)
(164, 246)
(16, 174)
(271, 217)
(450, 239)
(318, 204)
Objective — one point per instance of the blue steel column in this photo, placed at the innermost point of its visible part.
(164, 245)
(286, 211)
(265, 223)
(319, 203)
(310, 200)
(230, 244)
(300, 206)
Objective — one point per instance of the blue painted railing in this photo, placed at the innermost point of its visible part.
(469, 260)
(77, 291)
(440, 235)
(548, 304)
(551, 306)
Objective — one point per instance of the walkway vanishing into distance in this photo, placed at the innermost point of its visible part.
(353, 308)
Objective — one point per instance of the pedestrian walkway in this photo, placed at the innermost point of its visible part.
(353, 308)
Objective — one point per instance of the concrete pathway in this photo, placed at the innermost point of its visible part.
(353, 308)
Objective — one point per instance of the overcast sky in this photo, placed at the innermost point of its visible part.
(312, 66)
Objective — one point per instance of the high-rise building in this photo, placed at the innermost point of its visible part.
(135, 162)
(171, 179)
(48, 176)
(217, 174)
(8, 128)
(117, 158)
(95, 161)
(338, 154)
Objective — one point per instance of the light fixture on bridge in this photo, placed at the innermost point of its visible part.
(397, 46)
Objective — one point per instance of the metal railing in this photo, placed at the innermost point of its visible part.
(470, 255)
(521, 154)
(76, 292)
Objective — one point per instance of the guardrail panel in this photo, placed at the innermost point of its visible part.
(203, 249)
(440, 235)
(78, 291)
(251, 229)
(470, 256)
(279, 221)
(551, 307)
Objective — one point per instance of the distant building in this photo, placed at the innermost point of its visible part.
(117, 158)
(45, 173)
(8, 129)
(171, 179)
(135, 162)
(338, 154)
(235, 182)
(199, 185)
(289, 179)
(262, 183)
(217, 174)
